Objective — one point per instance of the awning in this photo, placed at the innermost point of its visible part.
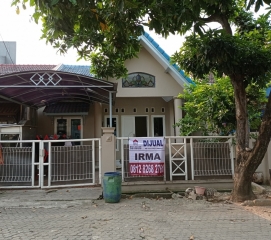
(46, 87)
(67, 109)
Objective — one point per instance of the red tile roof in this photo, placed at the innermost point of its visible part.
(11, 68)
(75, 108)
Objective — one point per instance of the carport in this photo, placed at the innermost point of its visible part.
(37, 89)
(45, 88)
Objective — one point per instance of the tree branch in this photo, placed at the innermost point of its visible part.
(263, 140)
(219, 18)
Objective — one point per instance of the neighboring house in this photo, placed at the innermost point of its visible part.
(7, 52)
(144, 105)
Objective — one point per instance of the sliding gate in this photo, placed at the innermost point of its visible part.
(47, 163)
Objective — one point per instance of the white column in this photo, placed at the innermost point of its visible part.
(177, 113)
(108, 155)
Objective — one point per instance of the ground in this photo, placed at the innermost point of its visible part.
(262, 211)
(75, 214)
(261, 206)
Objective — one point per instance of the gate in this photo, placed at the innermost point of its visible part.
(48, 163)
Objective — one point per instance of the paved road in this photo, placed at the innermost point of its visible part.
(76, 214)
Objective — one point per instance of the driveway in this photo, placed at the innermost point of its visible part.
(76, 214)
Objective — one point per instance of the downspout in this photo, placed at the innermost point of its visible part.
(110, 109)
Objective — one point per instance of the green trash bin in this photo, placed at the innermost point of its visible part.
(112, 187)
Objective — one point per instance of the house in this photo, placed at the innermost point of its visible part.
(143, 104)
(67, 99)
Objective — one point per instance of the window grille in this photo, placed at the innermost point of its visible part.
(138, 80)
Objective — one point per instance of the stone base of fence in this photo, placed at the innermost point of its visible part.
(176, 186)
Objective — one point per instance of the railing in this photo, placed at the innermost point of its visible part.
(40, 164)
(72, 166)
(123, 154)
(19, 165)
(187, 158)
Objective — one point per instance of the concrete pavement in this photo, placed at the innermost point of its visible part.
(76, 214)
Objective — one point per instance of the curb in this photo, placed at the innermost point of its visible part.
(257, 202)
(257, 188)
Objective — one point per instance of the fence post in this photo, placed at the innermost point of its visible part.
(192, 159)
(170, 159)
(33, 164)
(232, 158)
(41, 164)
(108, 155)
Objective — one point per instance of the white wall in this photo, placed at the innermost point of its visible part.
(165, 84)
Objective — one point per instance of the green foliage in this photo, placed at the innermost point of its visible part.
(109, 30)
(104, 32)
(258, 4)
(210, 108)
(225, 54)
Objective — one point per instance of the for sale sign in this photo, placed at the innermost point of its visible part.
(147, 156)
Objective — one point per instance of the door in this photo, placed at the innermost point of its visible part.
(127, 126)
(71, 126)
(134, 126)
(158, 126)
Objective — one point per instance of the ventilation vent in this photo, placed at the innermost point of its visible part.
(134, 110)
(116, 110)
(146, 110)
(123, 110)
(152, 110)
(162, 109)
(105, 110)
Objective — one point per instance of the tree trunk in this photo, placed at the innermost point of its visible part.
(247, 160)
(242, 134)
(242, 189)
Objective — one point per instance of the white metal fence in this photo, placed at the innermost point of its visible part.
(17, 166)
(39, 163)
(122, 165)
(186, 158)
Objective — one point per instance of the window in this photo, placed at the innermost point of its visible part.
(138, 80)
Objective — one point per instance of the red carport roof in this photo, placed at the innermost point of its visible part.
(11, 68)
(40, 88)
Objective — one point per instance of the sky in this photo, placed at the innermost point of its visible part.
(32, 50)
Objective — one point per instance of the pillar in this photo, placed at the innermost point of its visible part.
(108, 154)
(177, 113)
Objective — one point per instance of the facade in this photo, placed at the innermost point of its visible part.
(68, 100)
(145, 102)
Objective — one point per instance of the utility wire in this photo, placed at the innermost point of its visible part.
(6, 49)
